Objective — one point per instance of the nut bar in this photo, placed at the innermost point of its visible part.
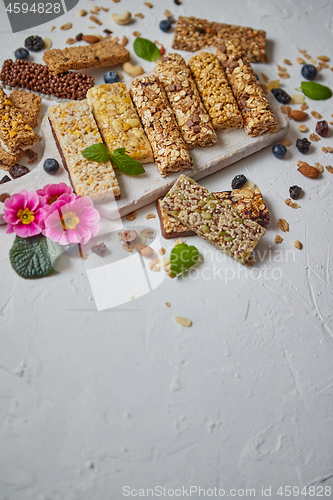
(118, 121)
(74, 129)
(183, 95)
(257, 115)
(15, 132)
(159, 123)
(194, 34)
(211, 218)
(37, 78)
(29, 105)
(249, 203)
(215, 91)
(107, 52)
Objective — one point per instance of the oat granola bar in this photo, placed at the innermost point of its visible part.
(215, 91)
(211, 218)
(257, 115)
(107, 52)
(159, 123)
(7, 160)
(194, 34)
(75, 129)
(29, 105)
(15, 132)
(183, 95)
(248, 202)
(118, 121)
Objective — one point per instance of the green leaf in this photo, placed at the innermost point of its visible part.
(97, 152)
(32, 257)
(125, 163)
(146, 49)
(183, 257)
(316, 91)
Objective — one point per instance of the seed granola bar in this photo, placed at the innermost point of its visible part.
(29, 105)
(118, 121)
(194, 34)
(256, 111)
(159, 123)
(249, 203)
(75, 129)
(107, 52)
(15, 132)
(211, 218)
(215, 91)
(183, 95)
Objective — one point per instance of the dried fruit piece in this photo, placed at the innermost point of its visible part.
(283, 225)
(99, 249)
(303, 145)
(297, 99)
(295, 192)
(298, 115)
(238, 181)
(18, 171)
(129, 235)
(291, 204)
(322, 128)
(278, 239)
(183, 321)
(308, 171)
(298, 245)
(281, 96)
(34, 43)
(5, 179)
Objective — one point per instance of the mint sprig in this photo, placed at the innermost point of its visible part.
(146, 49)
(316, 91)
(100, 153)
(183, 257)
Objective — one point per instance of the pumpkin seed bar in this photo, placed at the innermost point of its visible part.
(74, 129)
(213, 219)
(118, 121)
(257, 115)
(15, 132)
(194, 34)
(107, 52)
(183, 95)
(215, 91)
(249, 202)
(159, 123)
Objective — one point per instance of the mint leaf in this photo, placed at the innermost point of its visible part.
(146, 49)
(125, 163)
(97, 152)
(316, 91)
(32, 257)
(183, 257)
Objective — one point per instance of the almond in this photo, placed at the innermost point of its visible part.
(298, 116)
(144, 249)
(90, 38)
(308, 171)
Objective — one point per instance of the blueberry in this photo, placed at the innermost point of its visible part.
(279, 150)
(22, 53)
(34, 43)
(51, 166)
(309, 72)
(303, 145)
(165, 25)
(238, 181)
(281, 96)
(111, 77)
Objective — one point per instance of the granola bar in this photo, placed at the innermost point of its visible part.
(107, 52)
(257, 115)
(118, 121)
(74, 129)
(183, 95)
(29, 105)
(15, 132)
(159, 123)
(194, 34)
(248, 202)
(215, 91)
(211, 218)
(7, 160)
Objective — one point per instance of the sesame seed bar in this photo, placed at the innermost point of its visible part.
(107, 52)
(183, 95)
(211, 218)
(215, 91)
(15, 132)
(194, 34)
(74, 129)
(169, 149)
(118, 121)
(249, 203)
(257, 115)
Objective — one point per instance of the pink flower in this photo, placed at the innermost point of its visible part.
(24, 214)
(52, 192)
(71, 221)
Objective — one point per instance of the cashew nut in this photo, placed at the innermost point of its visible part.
(132, 70)
(122, 18)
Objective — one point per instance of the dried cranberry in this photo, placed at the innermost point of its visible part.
(322, 128)
(295, 192)
(238, 181)
(5, 179)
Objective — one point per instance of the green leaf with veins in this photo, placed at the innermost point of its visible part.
(97, 152)
(146, 49)
(183, 257)
(316, 91)
(125, 163)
